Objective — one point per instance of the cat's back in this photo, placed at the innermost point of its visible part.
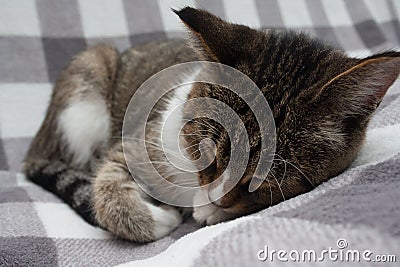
(139, 63)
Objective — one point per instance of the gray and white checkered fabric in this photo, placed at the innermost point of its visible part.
(37, 38)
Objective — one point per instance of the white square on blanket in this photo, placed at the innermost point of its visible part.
(170, 20)
(22, 108)
(19, 17)
(103, 18)
(242, 12)
(295, 13)
(337, 13)
(60, 221)
(380, 10)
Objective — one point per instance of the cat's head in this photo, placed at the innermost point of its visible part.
(321, 102)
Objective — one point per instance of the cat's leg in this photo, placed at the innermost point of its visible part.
(123, 208)
(77, 122)
(76, 128)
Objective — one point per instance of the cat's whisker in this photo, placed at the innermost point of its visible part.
(172, 154)
(204, 123)
(270, 190)
(186, 148)
(294, 166)
(200, 137)
(193, 144)
(176, 172)
(194, 135)
(166, 151)
(279, 186)
(180, 192)
(208, 125)
(143, 140)
(152, 144)
(158, 146)
(192, 154)
(188, 183)
(284, 173)
(197, 131)
(153, 162)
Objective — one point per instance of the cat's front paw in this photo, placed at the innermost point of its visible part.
(202, 214)
(210, 214)
(140, 221)
(166, 219)
(119, 207)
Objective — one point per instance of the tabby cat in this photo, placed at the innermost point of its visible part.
(321, 101)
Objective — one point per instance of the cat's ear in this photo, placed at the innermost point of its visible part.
(213, 38)
(360, 89)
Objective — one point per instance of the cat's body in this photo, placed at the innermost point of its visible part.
(81, 136)
(315, 93)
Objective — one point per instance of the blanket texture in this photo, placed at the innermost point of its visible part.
(358, 210)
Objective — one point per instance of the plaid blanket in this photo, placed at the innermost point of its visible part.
(358, 210)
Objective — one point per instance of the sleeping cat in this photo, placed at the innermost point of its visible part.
(321, 101)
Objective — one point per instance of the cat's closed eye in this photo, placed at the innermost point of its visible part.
(321, 100)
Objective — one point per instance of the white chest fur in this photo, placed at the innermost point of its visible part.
(172, 141)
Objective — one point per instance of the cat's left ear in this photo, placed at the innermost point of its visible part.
(215, 39)
(360, 89)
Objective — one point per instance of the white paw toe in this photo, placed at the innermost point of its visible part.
(165, 218)
(202, 213)
(211, 214)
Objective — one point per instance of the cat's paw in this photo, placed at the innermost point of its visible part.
(166, 219)
(203, 213)
(119, 207)
(143, 222)
(210, 214)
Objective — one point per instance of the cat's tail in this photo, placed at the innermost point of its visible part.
(72, 186)
(76, 129)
